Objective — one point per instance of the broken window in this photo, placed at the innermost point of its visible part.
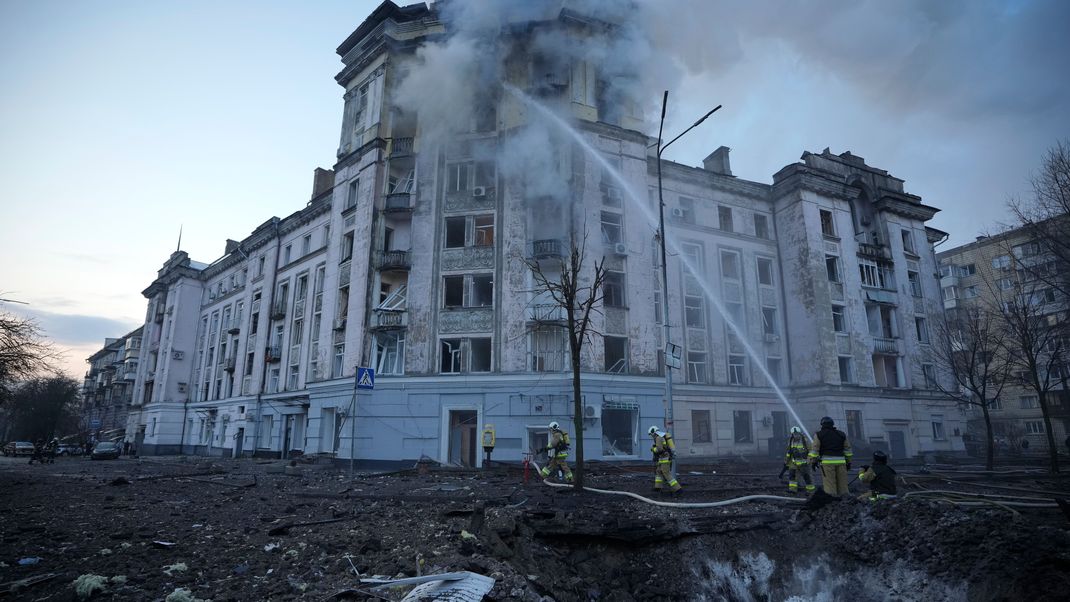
(742, 428)
(548, 350)
(832, 268)
(390, 353)
(761, 226)
(687, 210)
(619, 428)
(694, 311)
(724, 218)
(846, 375)
(921, 327)
(343, 303)
(612, 232)
(480, 358)
(908, 241)
(395, 300)
(915, 283)
(351, 197)
(484, 230)
(828, 227)
(613, 289)
(928, 371)
(700, 426)
(336, 362)
(772, 366)
(457, 176)
(482, 291)
(616, 354)
(486, 116)
(765, 271)
(455, 232)
(730, 265)
(839, 319)
(854, 424)
(266, 424)
(737, 370)
(450, 350)
(871, 273)
(347, 246)
(696, 367)
(769, 321)
(454, 291)
(484, 174)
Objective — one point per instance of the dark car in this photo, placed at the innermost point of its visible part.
(106, 450)
(70, 449)
(18, 448)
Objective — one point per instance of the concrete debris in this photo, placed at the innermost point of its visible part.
(183, 594)
(271, 547)
(178, 567)
(88, 585)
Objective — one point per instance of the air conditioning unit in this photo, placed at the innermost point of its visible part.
(678, 212)
(620, 248)
(177, 355)
(479, 191)
(592, 412)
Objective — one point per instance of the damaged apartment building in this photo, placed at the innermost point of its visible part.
(412, 257)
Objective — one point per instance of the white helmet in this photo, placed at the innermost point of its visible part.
(554, 426)
(796, 429)
(652, 430)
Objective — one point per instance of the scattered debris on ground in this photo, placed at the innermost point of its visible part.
(182, 530)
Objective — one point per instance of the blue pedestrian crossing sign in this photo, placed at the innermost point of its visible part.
(365, 378)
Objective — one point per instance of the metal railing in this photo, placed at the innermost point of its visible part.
(886, 345)
(401, 146)
(546, 248)
(394, 260)
(398, 201)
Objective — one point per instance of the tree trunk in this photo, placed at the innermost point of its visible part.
(989, 439)
(1053, 452)
(578, 426)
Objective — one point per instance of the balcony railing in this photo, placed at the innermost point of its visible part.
(546, 248)
(886, 346)
(398, 201)
(274, 354)
(394, 260)
(234, 327)
(278, 310)
(229, 364)
(384, 319)
(546, 313)
(401, 146)
(873, 251)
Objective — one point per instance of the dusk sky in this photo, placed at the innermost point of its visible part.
(122, 121)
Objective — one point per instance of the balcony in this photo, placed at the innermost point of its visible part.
(885, 346)
(130, 375)
(394, 260)
(278, 310)
(234, 327)
(400, 147)
(339, 324)
(389, 320)
(546, 313)
(398, 202)
(274, 354)
(871, 251)
(546, 248)
(229, 364)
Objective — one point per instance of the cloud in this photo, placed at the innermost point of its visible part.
(76, 330)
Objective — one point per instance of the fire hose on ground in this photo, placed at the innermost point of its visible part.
(728, 502)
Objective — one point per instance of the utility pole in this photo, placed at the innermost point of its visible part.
(664, 259)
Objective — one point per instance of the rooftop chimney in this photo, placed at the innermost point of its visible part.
(322, 181)
(232, 245)
(717, 162)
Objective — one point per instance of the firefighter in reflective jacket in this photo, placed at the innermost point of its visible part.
(833, 451)
(881, 479)
(557, 451)
(797, 462)
(664, 451)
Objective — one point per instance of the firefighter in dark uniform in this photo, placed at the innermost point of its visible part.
(832, 451)
(880, 477)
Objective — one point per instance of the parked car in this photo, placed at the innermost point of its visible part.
(70, 449)
(106, 450)
(18, 448)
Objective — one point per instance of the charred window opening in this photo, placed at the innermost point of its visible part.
(700, 426)
(480, 360)
(616, 352)
(619, 426)
(457, 176)
(737, 370)
(390, 353)
(828, 227)
(455, 230)
(612, 231)
(454, 291)
(832, 268)
(724, 218)
(696, 367)
(761, 226)
(742, 427)
(484, 231)
(765, 271)
(613, 289)
(450, 350)
(482, 291)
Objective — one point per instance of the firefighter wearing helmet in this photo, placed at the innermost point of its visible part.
(664, 451)
(880, 477)
(557, 451)
(832, 451)
(797, 461)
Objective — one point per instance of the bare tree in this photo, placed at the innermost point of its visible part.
(967, 345)
(1035, 335)
(577, 290)
(1046, 218)
(24, 352)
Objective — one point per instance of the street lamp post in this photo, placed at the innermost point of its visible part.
(664, 258)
